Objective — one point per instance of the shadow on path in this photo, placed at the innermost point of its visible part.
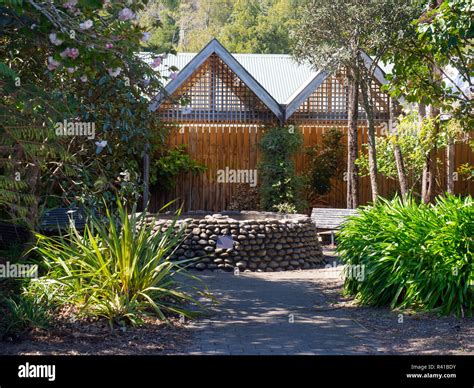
(275, 314)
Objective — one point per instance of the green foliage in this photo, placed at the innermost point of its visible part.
(278, 179)
(161, 17)
(250, 26)
(415, 140)
(414, 255)
(99, 184)
(119, 269)
(260, 26)
(330, 34)
(467, 170)
(6, 71)
(327, 160)
(23, 313)
(440, 38)
(35, 151)
(285, 208)
(166, 168)
(102, 83)
(12, 3)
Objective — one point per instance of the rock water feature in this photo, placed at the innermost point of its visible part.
(250, 241)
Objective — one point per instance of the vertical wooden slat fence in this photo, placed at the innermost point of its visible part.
(224, 121)
(236, 146)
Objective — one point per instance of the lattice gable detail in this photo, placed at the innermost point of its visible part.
(214, 93)
(330, 101)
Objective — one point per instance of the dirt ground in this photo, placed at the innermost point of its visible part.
(96, 338)
(400, 332)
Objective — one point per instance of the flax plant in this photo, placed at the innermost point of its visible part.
(120, 269)
(415, 255)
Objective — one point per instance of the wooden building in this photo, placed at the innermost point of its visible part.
(231, 99)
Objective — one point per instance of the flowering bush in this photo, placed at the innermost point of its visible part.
(76, 61)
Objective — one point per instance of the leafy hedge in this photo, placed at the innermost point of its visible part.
(414, 255)
(327, 161)
(279, 182)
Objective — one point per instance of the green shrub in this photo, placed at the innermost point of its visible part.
(327, 161)
(279, 182)
(414, 255)
(285, 208)
(118, 269)
(172, 162)
(21, 313)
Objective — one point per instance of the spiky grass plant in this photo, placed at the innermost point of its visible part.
(414, 255)
(119, 269)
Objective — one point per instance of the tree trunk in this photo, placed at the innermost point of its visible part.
(146, 177)
(427, 189)
(424, 177)
(397, 152)
(430, 162)
(352, 148)
(450, 165)
(369, 111)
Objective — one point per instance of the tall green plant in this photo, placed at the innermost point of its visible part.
(327, 160)
(279, 182)
(119, 269)
(414, 255)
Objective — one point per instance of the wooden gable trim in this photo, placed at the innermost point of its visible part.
(215, 47)
(301, 95)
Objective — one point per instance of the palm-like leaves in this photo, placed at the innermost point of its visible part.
(118, 269)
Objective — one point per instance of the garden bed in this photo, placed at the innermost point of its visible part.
(94, 336)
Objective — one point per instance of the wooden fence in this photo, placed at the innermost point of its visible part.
(235, 146)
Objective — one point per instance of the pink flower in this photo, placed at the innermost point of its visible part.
(145, 37)
(109, 45)
(86, 25)
(53, 64)
(54, 39)
(74, 53)
(71, 70)
(156, 62)
(65, 53)
(83, 78)
(173, 75)
(70, 4)
(126, 14)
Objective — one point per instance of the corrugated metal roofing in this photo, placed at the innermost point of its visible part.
(279, 74)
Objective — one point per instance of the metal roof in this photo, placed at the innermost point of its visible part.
(279, 74)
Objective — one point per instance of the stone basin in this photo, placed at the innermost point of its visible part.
(247, 240)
